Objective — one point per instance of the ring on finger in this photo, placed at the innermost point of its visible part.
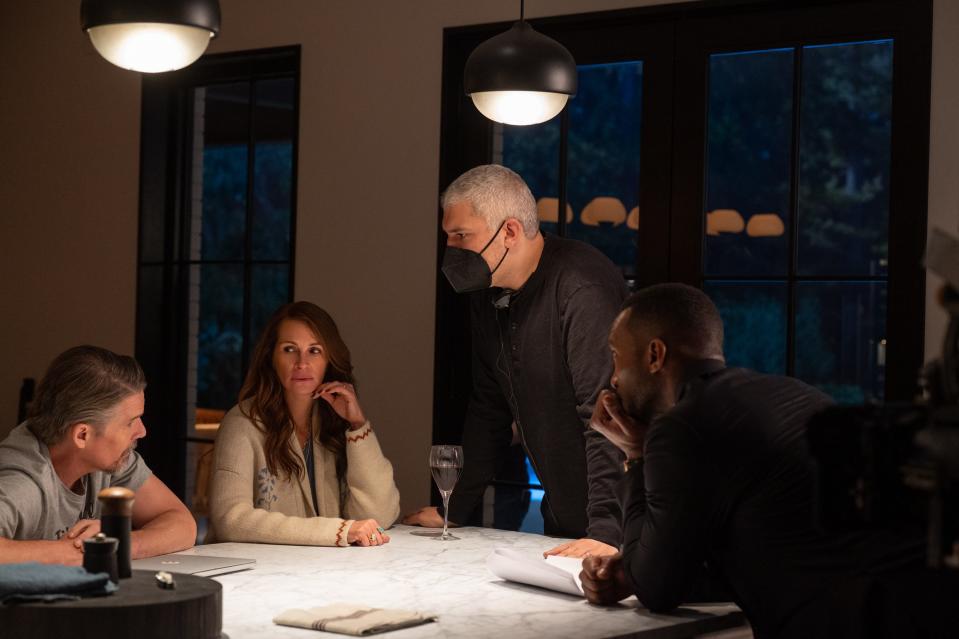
(372, 538)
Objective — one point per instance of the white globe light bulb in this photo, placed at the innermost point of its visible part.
(519, 107)
(150, 47)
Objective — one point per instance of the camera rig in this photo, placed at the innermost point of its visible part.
(896, 466)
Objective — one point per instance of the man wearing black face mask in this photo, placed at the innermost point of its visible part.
(541, 307)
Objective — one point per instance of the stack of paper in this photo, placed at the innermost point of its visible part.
(554, 573)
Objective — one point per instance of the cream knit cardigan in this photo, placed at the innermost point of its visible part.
(249, 504)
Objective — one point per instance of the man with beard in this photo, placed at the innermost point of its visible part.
(80, 437)
(719, 491)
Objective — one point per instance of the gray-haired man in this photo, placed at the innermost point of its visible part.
(80, 437)
(540, 311)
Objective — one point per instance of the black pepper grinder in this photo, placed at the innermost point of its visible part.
(116, 511)
(100, 555)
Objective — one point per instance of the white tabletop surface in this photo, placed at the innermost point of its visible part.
(448, 579)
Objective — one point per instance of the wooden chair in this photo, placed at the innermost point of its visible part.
(207, 423)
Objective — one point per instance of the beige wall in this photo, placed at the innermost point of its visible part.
(369, 143)
(943, 151)
(69, 145)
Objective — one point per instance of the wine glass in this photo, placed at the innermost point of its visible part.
(446, 464)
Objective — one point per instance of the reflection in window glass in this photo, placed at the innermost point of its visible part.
(533, 152)
(840, 329)
(754, 319)
(603, 145)
(844, 116)
(845, 145)
(749, 146)
(605, 121)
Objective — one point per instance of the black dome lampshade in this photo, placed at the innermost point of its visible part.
(520, 76)
(150, 36)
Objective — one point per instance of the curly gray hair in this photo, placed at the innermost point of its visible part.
(496, 194)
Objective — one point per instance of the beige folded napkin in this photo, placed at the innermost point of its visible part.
(351, 619)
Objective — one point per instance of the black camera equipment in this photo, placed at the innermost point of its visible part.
(896, 466)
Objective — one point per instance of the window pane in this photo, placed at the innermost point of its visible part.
(840, 338)
(224, 178)
(273, 168)
(533, 152)
(754, 319)
(845, 147)
(605, 120)
(219, 333)
(270, 290)
(748, 163)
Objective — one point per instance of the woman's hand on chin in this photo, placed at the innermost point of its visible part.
(342, 397)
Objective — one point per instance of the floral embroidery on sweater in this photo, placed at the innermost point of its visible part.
(265, 489)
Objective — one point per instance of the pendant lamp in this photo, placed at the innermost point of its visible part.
(520, 76)
(150, 36)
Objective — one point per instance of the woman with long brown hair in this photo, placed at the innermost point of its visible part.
(296, 461)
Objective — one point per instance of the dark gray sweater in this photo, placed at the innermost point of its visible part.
(541, 362)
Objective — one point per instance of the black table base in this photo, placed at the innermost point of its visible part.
(139, 610)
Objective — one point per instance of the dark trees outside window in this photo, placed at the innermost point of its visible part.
(217, 222)
(772, 153)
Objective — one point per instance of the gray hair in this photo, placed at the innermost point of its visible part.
(496, 194)
(83, 384)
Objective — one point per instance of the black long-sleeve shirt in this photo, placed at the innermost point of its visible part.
(541, 362)
(724, 497)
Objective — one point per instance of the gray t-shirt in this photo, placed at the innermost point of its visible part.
(35, 504)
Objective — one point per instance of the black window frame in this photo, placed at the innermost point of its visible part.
(166, 137)
(910, 26)
(674, 42)
(466, 141)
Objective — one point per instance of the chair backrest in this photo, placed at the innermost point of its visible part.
(201, 484)
(603, 209)
(207, 424)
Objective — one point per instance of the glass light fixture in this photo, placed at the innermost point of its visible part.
(520, 76)
(150, 36)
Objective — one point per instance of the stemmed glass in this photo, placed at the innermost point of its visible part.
(446, 464)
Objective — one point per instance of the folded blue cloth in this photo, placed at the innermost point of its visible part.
(33, 581)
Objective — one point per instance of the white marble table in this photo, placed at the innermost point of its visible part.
(448, 579)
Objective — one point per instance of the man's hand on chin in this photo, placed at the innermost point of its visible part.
(582, 548)
(612, 421)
